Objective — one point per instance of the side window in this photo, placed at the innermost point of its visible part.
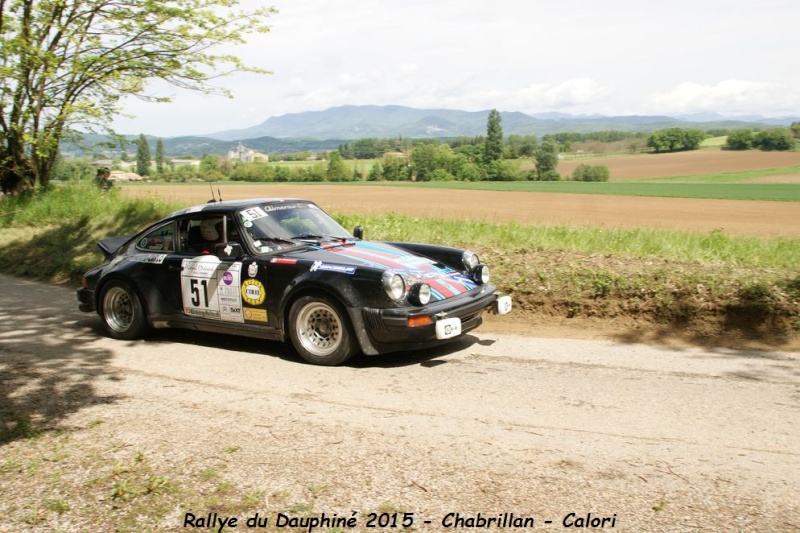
(161, 239)
(199, 234)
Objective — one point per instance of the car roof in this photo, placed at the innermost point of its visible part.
(229, 206)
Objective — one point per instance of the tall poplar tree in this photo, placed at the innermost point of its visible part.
(142, 156)
(160, 156)
(493, 146)
(65, 63)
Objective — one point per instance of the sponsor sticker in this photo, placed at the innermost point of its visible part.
(254, 213)
(283, 261)
(253, 292)
(319, 265)
(152, 259)
(448, 328)
(252, 269)
(256, 315)
(282, 207)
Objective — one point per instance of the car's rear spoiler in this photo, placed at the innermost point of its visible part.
(110, 245)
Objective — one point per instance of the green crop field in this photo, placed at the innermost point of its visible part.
(782, 192)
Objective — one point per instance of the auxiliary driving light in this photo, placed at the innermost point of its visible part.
(480, 274)
(419, 294)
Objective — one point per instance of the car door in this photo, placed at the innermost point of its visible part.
(205, 286)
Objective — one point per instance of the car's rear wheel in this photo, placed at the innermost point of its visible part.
(320, 331)
(122, 311)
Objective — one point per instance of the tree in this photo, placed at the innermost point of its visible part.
(160, 156)
(521, 146)
(586, 172)
(423, 159)
(675, 139)
(395, 168)
(493, 147)
(739, 139)
(142, 156)
(337, 169)
(774, 139)
(546, 156)
(65, 63)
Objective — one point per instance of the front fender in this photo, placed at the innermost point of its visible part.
(329, 283)
(451, 257)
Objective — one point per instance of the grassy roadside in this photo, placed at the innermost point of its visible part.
(701, 285)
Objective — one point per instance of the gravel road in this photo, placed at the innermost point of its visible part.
(650, 438)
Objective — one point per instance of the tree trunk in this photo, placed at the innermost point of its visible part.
(16, 171)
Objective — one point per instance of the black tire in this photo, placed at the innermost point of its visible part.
(320, 331)
(122, 311)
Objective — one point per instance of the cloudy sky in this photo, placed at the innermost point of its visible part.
(616, 57)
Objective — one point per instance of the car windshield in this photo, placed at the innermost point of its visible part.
(271, 226)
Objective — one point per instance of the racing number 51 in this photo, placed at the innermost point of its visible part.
(193, 284)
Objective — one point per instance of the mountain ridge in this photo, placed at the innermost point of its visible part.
(351, 122)
(327, 129)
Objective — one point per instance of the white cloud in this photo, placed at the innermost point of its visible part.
(515, 55)
(575, 95)
(730, 97)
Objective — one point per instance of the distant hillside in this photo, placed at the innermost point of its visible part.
(98, 145)
(326, 130)
(356, 122)
(198, 146)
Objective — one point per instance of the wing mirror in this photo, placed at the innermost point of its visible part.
(228, 250)
(358, 232)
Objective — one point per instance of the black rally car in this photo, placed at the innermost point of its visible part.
(278, 268)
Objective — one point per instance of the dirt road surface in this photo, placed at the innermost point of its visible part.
(654, 439)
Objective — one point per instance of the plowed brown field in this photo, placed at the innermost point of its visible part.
(687, 163)
(735, 217)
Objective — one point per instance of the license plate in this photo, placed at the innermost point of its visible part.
(503, 305)
(448, 327)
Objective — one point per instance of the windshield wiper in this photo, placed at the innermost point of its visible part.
(308, 237)
(314, 237)
(278, 240)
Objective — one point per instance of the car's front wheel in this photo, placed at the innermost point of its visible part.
(122, 311)
(320, 331)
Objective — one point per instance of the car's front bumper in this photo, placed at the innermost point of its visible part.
(388, 330)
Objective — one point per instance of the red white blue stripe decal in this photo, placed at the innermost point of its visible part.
(444, 281)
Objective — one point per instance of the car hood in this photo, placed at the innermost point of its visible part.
(347, 258)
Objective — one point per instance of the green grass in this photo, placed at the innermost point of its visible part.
(73, 203)
(714, 142)
(725, 177)
(780, 192)
(673, 245)
(53, 234)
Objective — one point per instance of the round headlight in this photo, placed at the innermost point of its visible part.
(470, 260)
(481, 274)
(419, 294)
(394, 285)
